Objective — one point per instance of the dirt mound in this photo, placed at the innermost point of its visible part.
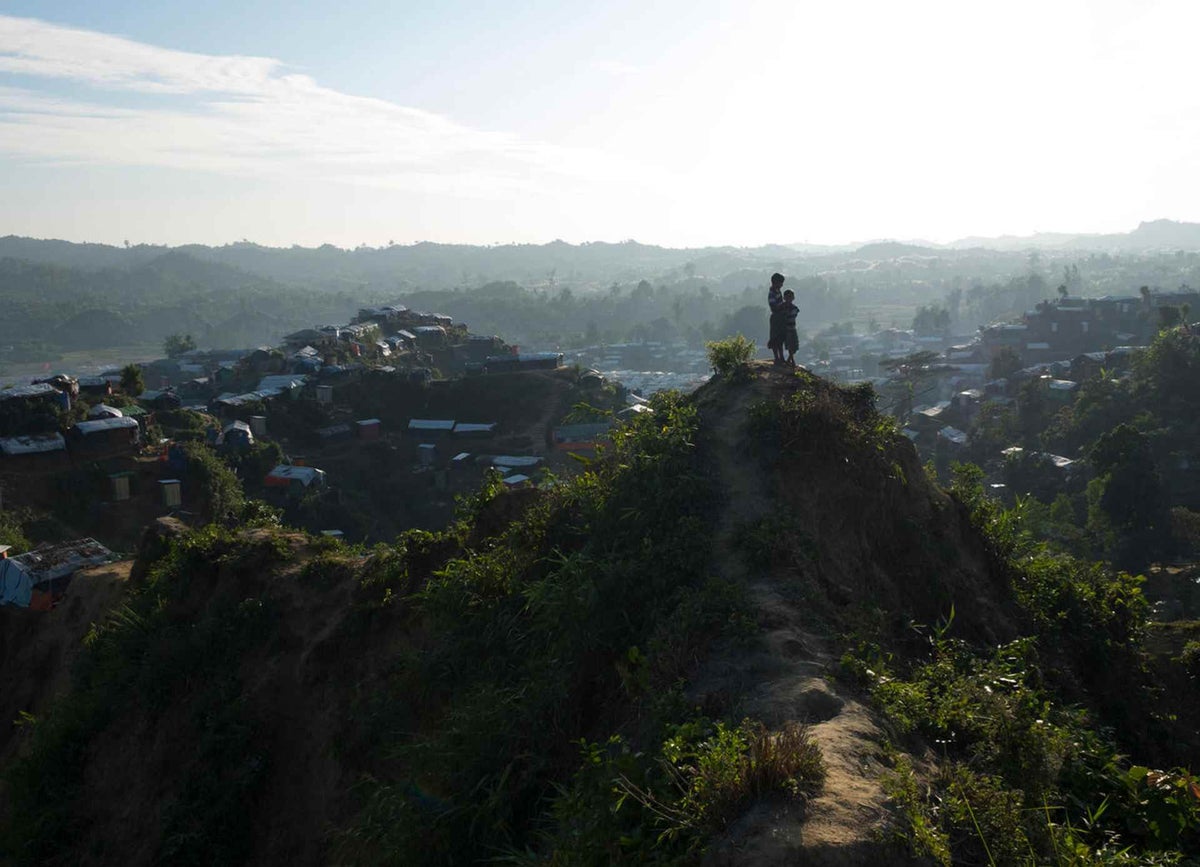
(37, 648)
(829, 521)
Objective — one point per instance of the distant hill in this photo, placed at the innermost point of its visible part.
(1155, 235)
(149, 293)
(426, 265)
(892, 249)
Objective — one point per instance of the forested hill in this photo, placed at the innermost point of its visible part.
(434, 266)
(50, 308)
(426, 265)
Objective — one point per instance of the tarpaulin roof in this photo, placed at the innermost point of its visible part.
(16, 587)
(41, 389)
(33, 444)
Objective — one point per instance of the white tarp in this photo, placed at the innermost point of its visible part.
(16, 587)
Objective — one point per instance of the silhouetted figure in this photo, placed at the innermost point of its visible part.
(788, 311)
(775, 302)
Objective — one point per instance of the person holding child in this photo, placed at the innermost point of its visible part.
(775, 303)
(788, 311)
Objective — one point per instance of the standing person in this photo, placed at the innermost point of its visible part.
(788, 311)
(775, 302)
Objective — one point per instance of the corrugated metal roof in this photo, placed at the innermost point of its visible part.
(103, 424)
(282, 381)
(954, 435)
(304, 475)
(431, 424)
(516, 461)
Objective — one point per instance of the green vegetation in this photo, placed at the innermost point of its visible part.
(1136, 436)
(177, 344)
(132, 381)
(594, 599)
(12, 532)
(1032, 735)
(728, 356)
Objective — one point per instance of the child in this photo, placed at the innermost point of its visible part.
(788, 311)
(775, 302)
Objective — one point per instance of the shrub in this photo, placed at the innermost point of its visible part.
(12, 532)
(727, 356)
(1190, 658)
(730, 766)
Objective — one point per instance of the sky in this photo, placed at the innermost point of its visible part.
(679, 122)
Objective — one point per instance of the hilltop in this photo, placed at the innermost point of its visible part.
(753, 632)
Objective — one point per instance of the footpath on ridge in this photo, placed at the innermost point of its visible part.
(872, 535)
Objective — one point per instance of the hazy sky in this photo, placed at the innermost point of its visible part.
(680, 122)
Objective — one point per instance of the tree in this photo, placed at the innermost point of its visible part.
(177, 344)
(931, 321)
(909, 375)
(1005, 363)
(1168, 316)
(132, 382)
(1132, 497)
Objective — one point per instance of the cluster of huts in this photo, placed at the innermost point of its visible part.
(30, 437)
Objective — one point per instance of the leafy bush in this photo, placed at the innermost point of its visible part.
(220, 494)
(12, 532)
(1020, 773)
(1190, 658)
(1026, 777)
(727, 356)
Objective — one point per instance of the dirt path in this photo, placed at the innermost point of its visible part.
(785, 680)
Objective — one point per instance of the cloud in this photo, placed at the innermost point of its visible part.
(248, 116)
(616, 67)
